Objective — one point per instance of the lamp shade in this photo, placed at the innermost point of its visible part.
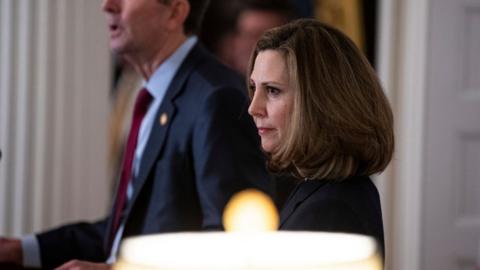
(259, 251)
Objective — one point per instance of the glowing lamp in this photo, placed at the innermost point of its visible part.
(250, 243)
(250, 211)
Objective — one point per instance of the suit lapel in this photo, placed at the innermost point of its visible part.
(159, 131)
(299, 195)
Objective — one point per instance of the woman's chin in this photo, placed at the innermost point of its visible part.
(267, 147)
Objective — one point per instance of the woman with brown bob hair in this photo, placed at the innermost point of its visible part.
(323, 117)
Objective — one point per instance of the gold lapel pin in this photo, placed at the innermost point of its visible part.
(163, 119)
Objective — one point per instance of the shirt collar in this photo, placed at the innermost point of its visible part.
(160, 80)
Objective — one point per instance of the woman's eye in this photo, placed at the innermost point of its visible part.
(273, 90)
(251, 87)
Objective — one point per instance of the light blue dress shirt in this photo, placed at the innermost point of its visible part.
(157, 86)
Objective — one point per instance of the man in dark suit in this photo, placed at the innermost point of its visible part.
(195, 147)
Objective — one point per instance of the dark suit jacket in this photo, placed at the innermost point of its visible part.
(208, 150)
(352, 206)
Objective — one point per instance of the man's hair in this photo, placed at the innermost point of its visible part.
(341, 123)
(194, 20)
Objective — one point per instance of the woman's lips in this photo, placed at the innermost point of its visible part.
(264, 130)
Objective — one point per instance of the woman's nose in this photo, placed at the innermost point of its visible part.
(257, 105)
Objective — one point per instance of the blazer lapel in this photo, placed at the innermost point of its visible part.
(159, 131)
(299, 195)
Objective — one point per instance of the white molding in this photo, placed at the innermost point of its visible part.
(54, 85)
(402, 68)
(95, 81)
(410, 132)
(21, 110)
(60, 90)
(385, 61)
(41, 123)
(6, 6)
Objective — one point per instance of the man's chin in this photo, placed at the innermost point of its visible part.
(118, 47)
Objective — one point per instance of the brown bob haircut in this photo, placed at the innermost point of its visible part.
(341, 124)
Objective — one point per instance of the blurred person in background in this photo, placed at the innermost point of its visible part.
(231, 28)
(254, 18)
(230, 31)
(218, 30)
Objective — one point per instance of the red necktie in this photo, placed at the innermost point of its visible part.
(141, 106)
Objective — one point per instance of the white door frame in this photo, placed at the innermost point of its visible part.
(402, 43)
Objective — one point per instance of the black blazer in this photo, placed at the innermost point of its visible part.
(352, 206)
(208, 150)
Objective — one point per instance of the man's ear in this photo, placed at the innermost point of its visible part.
(179, 13)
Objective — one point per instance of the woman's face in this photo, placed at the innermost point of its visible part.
(272, 100)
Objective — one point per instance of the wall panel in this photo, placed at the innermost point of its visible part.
(54, 85)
